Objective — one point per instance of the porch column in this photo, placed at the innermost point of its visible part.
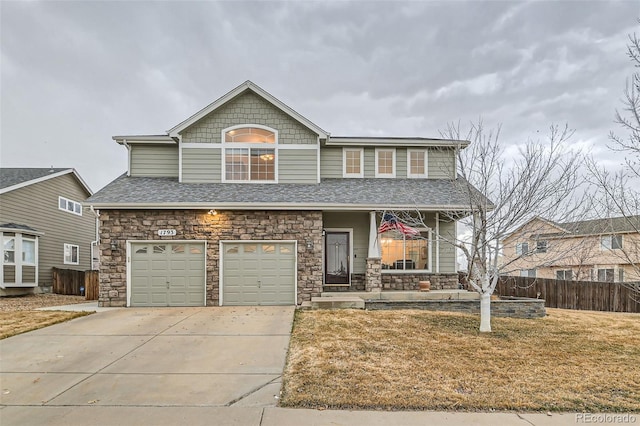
(373, 276)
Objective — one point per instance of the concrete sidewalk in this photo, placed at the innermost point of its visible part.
(78, 307)
(273, 416)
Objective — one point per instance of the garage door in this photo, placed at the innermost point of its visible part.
(258, 273)
(167, 274)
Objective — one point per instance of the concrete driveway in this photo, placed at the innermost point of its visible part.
(167, 357)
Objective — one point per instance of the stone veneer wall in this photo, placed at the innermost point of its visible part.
(408, 281)
(123, 225)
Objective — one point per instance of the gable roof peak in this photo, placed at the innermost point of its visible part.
(239, 90)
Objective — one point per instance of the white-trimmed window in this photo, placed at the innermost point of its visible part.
(606, 275)
(522, 249)
(541, 246)
(385, 163)
(249, 154)
(69, 206)
(9, 250)
(564, 274)
(71, 254)
(353, 162)
(531, 273)
(610, 242)
(401, 252)
(28, 251)
(417, 163)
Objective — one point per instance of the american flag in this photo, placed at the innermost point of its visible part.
(391, 221)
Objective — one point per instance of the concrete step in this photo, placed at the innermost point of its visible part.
(337, 302)
(408, 295)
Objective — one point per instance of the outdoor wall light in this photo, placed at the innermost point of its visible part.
(213, 212)
(114, 245)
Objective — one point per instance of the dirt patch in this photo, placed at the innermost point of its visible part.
(568, 361)
(34, 301)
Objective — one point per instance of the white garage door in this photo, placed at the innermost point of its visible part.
(167, 274)
(258, 273)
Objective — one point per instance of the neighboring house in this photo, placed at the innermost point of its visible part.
(590, 250)
(42, 226)
(247, 202)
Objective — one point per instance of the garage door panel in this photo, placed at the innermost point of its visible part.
(167, 274)
(256, 273)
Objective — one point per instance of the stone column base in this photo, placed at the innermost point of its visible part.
(373, 276)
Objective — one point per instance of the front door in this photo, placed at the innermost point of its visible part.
(337, 268)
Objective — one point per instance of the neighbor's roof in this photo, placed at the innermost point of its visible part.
(14, 178)
(330, 194)
(602, 226)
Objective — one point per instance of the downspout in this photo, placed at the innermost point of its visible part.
(97, 240)
(124, 142)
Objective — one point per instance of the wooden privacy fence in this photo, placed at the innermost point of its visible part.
(586, 295)
(77, 283)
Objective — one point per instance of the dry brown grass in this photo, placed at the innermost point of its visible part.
(569, 361)
(12, 323)
(33, 301)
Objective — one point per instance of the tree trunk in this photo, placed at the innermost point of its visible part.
(485, 312)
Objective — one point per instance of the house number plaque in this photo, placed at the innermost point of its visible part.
(166, 232)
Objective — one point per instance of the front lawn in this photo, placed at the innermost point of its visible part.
(418, 360)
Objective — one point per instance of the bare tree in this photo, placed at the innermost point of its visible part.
(618, 194)
(538, 178)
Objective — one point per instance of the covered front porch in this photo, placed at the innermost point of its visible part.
(357, 258)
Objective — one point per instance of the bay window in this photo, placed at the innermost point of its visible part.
(402, 252)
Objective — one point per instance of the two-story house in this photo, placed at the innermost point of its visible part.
(589, 250)
(248, 202)
(43, 225)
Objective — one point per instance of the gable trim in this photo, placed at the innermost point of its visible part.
(45, 178)
(247, 85)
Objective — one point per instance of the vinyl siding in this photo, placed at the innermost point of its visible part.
(360, 223)
(401, 162)
(37, 206)
(154, 160)
(201, 165)
(369, 162)
(330, 163)
(297, 166)
(248, 108)
(441, 164)
(447, 250)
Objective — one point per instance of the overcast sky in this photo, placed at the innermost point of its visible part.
(73, 74)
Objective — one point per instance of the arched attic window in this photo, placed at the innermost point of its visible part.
(250, 153)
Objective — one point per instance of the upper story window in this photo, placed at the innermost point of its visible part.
(416, 163)
(611, 242)
(385, 162)
(353, 162)
(250, 154)
(70, 206)
(541, 246)
(522, 249)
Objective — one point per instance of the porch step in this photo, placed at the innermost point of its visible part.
(337, 302)
(407, 295)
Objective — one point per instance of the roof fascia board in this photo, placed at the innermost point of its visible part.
(395, 142)
(45, 178)
(144, 139)
(247, 85)
(21, 231)
(270, 206)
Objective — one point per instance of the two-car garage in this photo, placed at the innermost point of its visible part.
(173, 273)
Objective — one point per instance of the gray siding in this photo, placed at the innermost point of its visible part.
(201, 165)
(359, 221)
(447, 250)
(154, 160)
(369, 162)
(441, 163)
(297, 166)
(330, 162)
(401, 162)
(248, 108)
(37, 206)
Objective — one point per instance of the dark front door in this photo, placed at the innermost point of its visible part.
(337, 269)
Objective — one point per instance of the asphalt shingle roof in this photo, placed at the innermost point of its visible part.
(387, 193)
(15, 176)
(602, 226)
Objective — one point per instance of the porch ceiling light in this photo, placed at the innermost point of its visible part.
(213, 212)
